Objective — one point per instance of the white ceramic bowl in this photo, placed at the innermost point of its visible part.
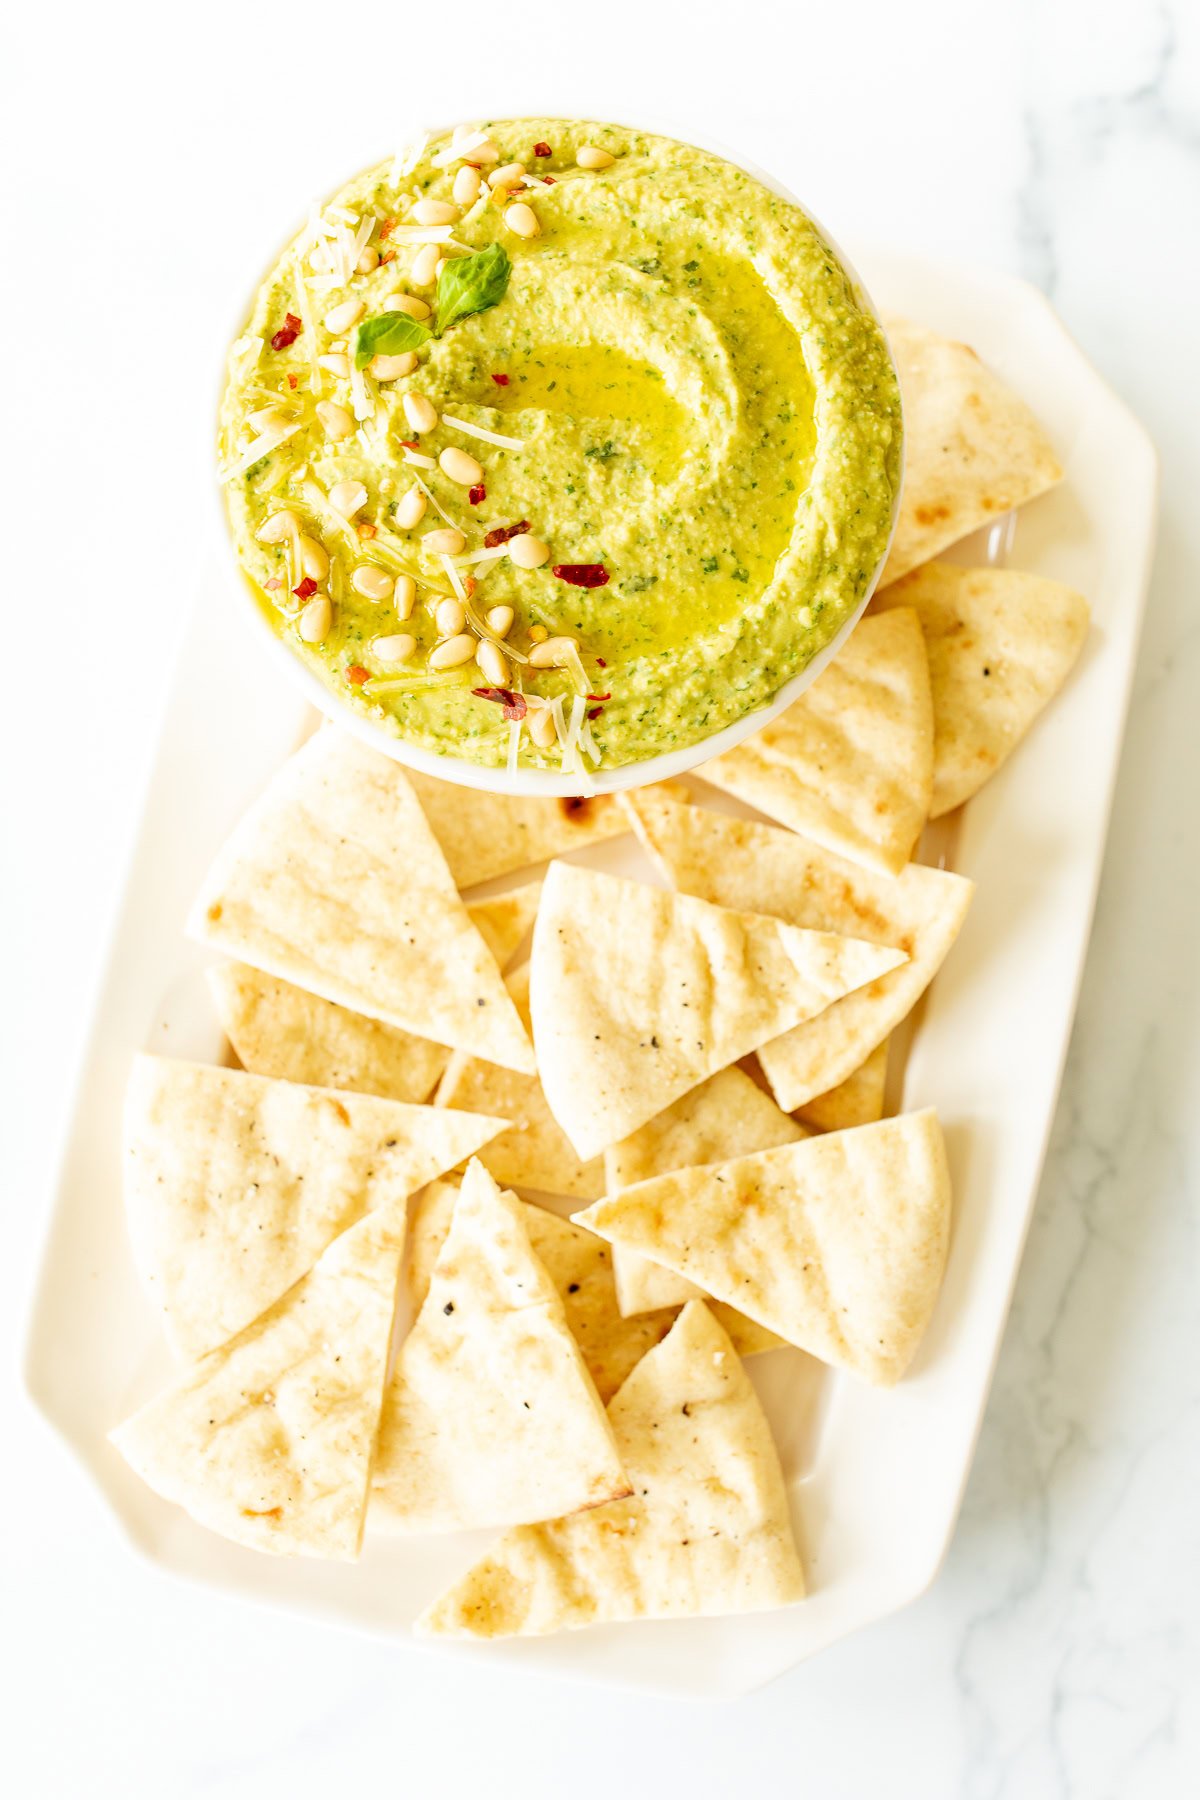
(599, 781)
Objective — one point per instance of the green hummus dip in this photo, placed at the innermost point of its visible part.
(700, 416)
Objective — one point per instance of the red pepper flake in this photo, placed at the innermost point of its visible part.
(409, 444)
(469, 586)
(273, 584)
(478, 494)
(293, 381)
(500, 380)
(387, 228)
(593, 712)
(356, 674)
(500, 534)
(288, 332)
(365, 530)
(542, 149)
(584, 575)
(306, 590)
(514, 706)
(549, 180)
(600, 663)
(597, 696)
(389, 255)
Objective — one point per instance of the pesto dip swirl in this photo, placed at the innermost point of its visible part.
(700, 414)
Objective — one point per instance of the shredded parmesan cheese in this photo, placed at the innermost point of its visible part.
(259, 447)
(418, 460)
(454, 577)
(421, 234)
(407, 159)
(460, 148)
(436, 504)
(486, 437)
(514, 745)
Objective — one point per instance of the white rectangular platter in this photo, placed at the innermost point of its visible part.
(875, 1477)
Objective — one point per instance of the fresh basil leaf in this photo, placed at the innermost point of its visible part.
(470, 284)
(388, 334)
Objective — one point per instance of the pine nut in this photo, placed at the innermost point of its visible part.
(500, 619)
(446, 542)
(404, 595)
(493, 664)
(434, 212)
(589, 157)
(449, 617)
(507, 177)
(410, 509)
(466, 185)
(391, 368)
(279, 526)
(438, 266)
(373, 583)
(420, 412)
(318, 258)
(396, 649)
(314, 558)
(368, 261)
(339, 319)
(553, 654)
(406, 303)
(483, 154)
(454, 651)
(523, 220)
(458, 466)
(336, 420)
(527, 551)
(337, 363)
(347, 498)
(424, 265)
(316, 620)
(538, 634)
(541, 726)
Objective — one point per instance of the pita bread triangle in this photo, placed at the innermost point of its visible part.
(637, 994)
(726, 1116)
(235, 1184)
(279, 1029)
(837, 1243)
(334, 881)
(484, 835)
(972, 448)
(491, 1417)
(268, 1440)
(1001, 643)
(706, 1531)
(850, 763)
(752, 867)
(858, 1100)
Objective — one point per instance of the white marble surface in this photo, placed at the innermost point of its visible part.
(151, 153)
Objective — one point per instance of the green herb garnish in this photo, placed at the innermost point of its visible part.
(467, 284)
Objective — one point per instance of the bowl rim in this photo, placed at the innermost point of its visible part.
(668, 764)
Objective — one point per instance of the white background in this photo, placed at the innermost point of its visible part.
(153, 156)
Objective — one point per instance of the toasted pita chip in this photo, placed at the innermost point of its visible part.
(856, 1101)
(637, 995)
(278, 1029)
(850, 763)
(972, 449)
(235, 1184)
(1001, 643)
(706, 1532)
(491, 1417)
(759, 868)
(726, 1116)
(484, 835)
(268, 1440)
(534, 1152)
(578, 1263)
(334, 881)
(837, 1243)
